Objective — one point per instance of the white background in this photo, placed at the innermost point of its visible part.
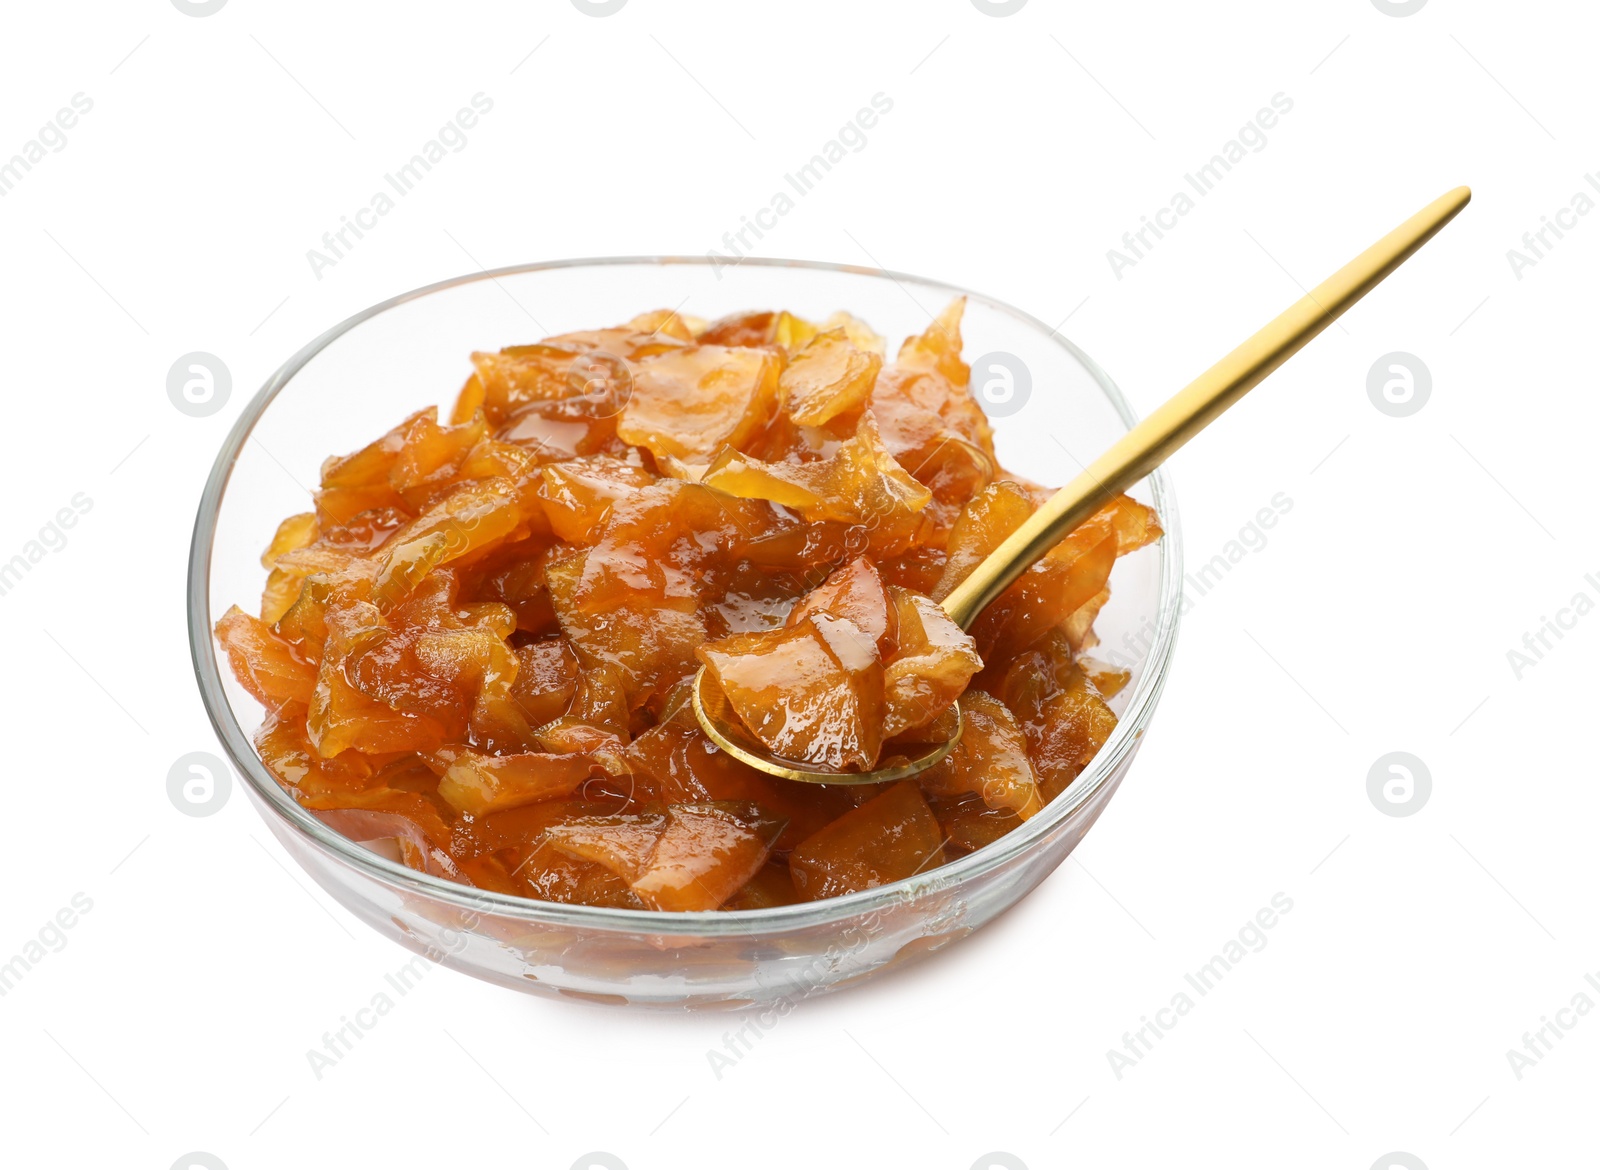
(1378, 618)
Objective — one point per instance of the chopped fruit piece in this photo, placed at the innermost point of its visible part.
(675, 763)
(285, 748)
(279, 594)
(342, 716)
(947, 462)
(812, 692)
(430, 457)
(597, 718)
(1065, 719)
(695, 857)
(930, 376)
(771, 886)
(622, 843)
(547, 677)
(478, 649)
(792, 333)
(938, 347)
(830, 376)
(266, 664)
(581, 424)
(990, 517)
(295, 532)
(1107, 679)
(514, 574)
(419, 848)
(782, 329)
(651, 641)
(556, 368)
(341, 505)
(860, 485)
(361, 534)
(917, 569)
(633, 600)
(741, 329)
(1068, 577)
(969, 824)
(705, 854)
(472, 517)
(370, 466)
(933, 663)
(858, 331)
(525, 373)
(1079, 626)
(930, 421)
(687, 404)
(892, 836)
(854, 593)
(577, 495)
(991, 760)
(469, 401)
(479, 785)
(549, 876)
(665, 322)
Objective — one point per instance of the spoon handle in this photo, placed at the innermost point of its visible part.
(1189, 411)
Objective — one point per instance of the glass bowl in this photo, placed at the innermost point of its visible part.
(380, 365)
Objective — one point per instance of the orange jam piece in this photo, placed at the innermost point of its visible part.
(1062, 713)
(576, 495)
(933, 663)
(266, 664)
(689, 403)
(705, 854)
(479, 785)
(674, 763)
(968, 824)
(476, 647)
(555, 369)
(990, 760)
(1070, 576)
(812, 692)
(695, 857)
(860, 484)
(855, 594)
(892, 836)
(622, 842)
(829, 377)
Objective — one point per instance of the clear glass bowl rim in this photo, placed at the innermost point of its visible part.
(713, 923)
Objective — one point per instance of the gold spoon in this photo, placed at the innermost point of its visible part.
(1129, 460)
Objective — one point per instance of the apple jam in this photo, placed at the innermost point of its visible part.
(479, 643)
